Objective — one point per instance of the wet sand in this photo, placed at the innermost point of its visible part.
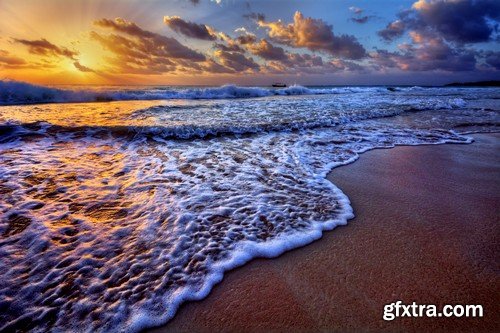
(427, 229)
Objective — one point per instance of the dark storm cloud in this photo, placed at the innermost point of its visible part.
(46, 48)
(440, 31)
(459, 21)
(464, 21)
(190, 29)
(315, 35)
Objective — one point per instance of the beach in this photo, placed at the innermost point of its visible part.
(426, 231)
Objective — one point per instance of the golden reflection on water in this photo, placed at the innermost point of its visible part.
(82, 114)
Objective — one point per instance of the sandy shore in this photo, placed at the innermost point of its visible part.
(426, 230)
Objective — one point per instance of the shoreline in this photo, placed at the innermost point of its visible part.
(274, 294)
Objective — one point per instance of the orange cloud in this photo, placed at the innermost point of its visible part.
(315, 35)
(9, 61)
(45, 48)
(138, 51)
(150, 42)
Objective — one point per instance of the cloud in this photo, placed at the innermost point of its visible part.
(138, 51)
(392, 31)
(190, 29)
(131, 56)
(315, 35)
(355, 10)
(255, 16)
(337, 65)
(231, 44)
(439, 31)
(213, 67)
(82, 68)
(235, 44)
(304, 62)
(306, 45)
(45, 48)
(267, 51)
(300, 64)
(426, 54)
(10, 61)
(357, 15)
(7, 60)
(492, 58)
(278, 60)
(464, 21)
(246, 39)
(361, 20)
(241, 30)
(458, 21)
(150, 43)
(236, 61)
(231, 47)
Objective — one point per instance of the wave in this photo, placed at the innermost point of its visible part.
(11, 131)
(20, 93)
(216, 127)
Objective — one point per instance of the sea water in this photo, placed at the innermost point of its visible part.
(114, 213)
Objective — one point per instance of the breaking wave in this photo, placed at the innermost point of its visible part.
(21, 93)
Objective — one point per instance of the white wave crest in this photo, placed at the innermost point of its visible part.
(13, 92)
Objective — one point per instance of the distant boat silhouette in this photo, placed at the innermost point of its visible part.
(279, 85)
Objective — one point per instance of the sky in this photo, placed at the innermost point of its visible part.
(212, 42)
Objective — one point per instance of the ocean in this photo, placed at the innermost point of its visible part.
(118, 204)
